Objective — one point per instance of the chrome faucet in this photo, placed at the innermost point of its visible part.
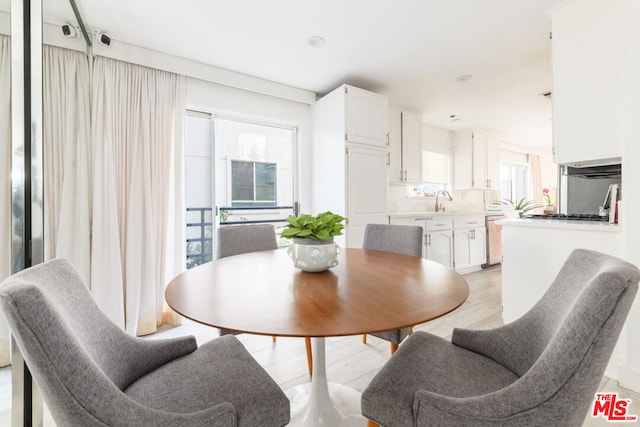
(438, 207)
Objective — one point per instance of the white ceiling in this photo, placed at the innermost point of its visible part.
(410, 50)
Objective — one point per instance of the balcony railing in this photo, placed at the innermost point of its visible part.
(200, 244)
(200, 249)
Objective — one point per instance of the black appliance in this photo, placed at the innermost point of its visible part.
(571, 217)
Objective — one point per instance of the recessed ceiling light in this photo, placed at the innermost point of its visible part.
(454, 118)
(464, 78)
(316, 41)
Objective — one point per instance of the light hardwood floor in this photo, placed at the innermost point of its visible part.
(349, 361)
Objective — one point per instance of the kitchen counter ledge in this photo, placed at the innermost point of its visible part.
(561, 224)
(434, 215)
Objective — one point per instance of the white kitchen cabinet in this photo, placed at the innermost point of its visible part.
(405, 146)
(350, 176)
(456, 241)
(469, 243)
(438, 241)
(475, 161)
(439, 247)
(367, 117)
(586, 81)
(367, 191)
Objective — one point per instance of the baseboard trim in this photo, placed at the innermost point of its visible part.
(629, 377)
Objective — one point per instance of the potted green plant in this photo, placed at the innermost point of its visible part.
(320, 227)
(521, 205)
(313, 249)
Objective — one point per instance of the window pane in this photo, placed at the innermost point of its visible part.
(435, 168)
(241, 180)
(520, 184)
(266, 181)
(514, 181)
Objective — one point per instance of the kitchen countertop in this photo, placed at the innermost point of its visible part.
(433, 215)
(562, 224)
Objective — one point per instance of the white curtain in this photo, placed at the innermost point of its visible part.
(67, 157)
(536, 177)
(5, 182)
(138, 243)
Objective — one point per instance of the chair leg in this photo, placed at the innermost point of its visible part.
(273, 338)
(307, 344)
(410, 331)
(394, 348)
(372, 424)
(364, 338)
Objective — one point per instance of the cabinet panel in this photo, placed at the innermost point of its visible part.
(405, 145)
(367, 188)
(439, 224)
(478, 246)
(396, 171)
(586, 76)
(470, 247)
(411, 146)
(469, 222)
(439, 247)
(367, 117)
(462, 248)
(475, 161)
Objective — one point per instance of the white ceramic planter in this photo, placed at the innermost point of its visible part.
(314, 255)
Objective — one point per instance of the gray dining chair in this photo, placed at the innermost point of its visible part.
(241, 239)
(91, 373)
(540, 370)
(401, 239)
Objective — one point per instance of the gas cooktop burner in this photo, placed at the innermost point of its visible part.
(573, 217)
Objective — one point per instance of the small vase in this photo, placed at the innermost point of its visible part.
(549, 209)
(314, 255)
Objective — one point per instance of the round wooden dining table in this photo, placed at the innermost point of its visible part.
(368, 291)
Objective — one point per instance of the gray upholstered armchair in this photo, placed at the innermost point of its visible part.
(91, 373)
(401, 239)
(541, 370)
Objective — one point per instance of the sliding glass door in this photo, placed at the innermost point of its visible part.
(238, 172)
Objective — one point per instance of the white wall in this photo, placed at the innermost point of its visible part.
(629, 371)
(436, 139)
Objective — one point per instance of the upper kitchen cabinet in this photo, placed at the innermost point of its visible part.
(367, 117)
(586, 82)
(405, 148)
(475, 161)
(350, 172)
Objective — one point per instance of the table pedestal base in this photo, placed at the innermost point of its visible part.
(322, 404)
(343, 408)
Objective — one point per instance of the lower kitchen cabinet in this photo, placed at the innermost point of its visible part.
(456, 242)
(438, 247)
(469, 248)
(469, 243)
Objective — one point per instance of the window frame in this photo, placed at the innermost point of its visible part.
(254, 202)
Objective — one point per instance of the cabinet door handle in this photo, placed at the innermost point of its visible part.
(405, 174)
(428, 239)
(473, 234)
(387, 139)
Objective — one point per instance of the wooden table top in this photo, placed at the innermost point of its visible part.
(369, 291)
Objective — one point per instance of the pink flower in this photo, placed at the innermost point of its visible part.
(546, 196)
